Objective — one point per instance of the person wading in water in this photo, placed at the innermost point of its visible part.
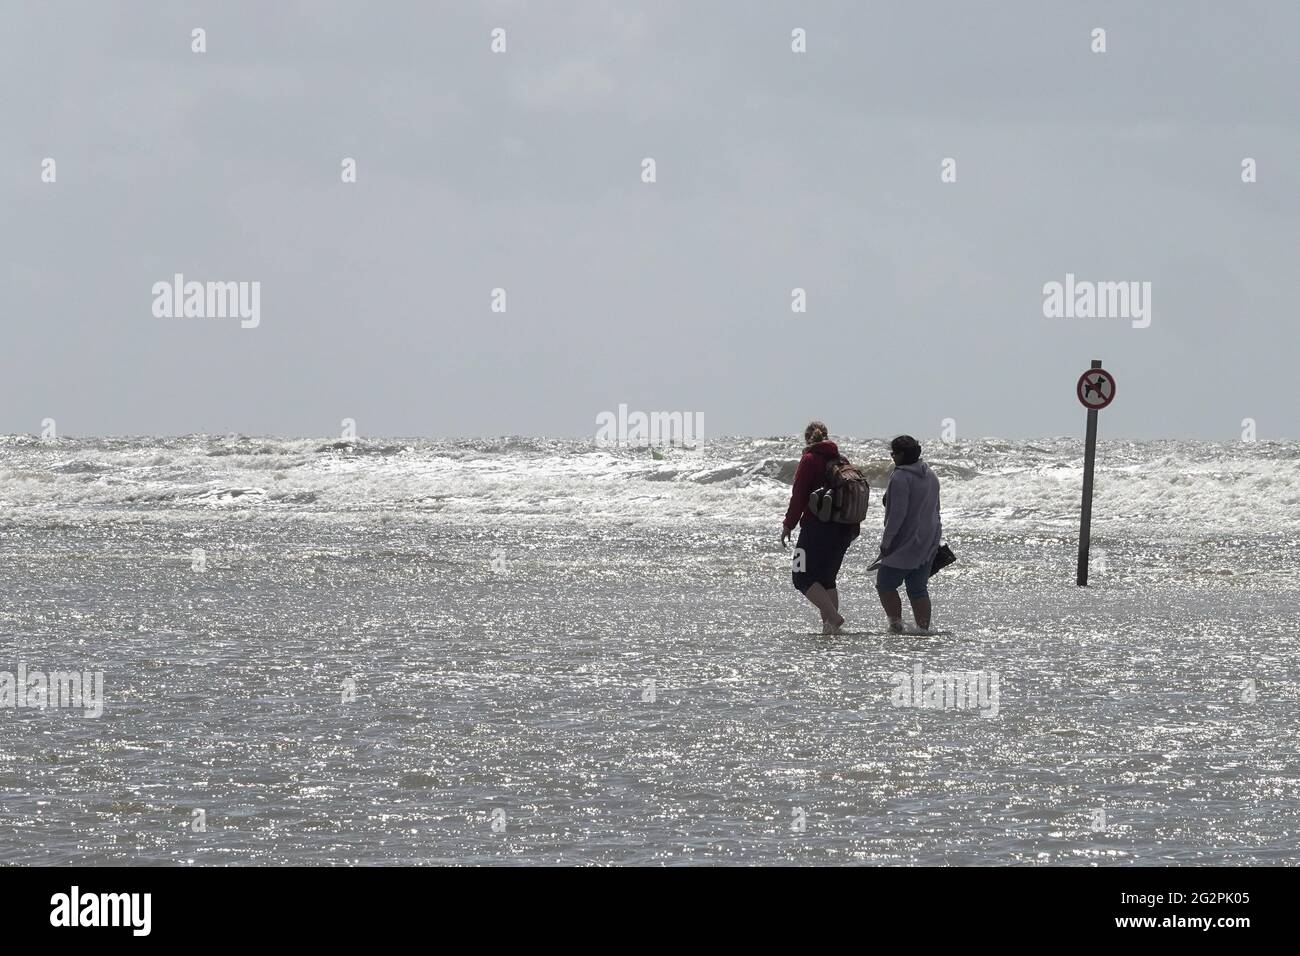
(828, 502)
(913, 533)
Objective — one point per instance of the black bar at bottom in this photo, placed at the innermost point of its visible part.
(367, 907)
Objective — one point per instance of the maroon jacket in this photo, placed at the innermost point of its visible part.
(808, 477)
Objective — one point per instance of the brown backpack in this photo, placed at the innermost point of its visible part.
(844, 495)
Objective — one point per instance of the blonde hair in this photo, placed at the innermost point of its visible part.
(815, 432)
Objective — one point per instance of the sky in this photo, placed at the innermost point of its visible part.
(522, 170)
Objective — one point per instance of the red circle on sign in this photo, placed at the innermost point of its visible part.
(1105, 379)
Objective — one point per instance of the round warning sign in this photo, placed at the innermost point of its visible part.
(1096, 388)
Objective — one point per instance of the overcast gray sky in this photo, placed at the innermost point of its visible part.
(522, 170)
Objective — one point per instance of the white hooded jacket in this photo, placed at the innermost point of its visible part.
(912, 527)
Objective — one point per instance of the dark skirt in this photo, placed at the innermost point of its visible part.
(819, 552)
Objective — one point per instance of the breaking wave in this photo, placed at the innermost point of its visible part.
(1190, 484)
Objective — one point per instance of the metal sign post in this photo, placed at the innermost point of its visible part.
(1096, 390)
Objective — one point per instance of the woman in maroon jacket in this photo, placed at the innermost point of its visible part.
(822, 544)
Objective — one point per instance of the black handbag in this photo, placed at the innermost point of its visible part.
(942, 558)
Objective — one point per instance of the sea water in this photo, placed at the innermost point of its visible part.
(532, 651)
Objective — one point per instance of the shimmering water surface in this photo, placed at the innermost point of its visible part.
(504, 606)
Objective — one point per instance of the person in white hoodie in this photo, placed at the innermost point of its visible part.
(912, 534)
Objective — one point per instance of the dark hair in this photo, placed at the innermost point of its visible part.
(907, 448)
(815, 432)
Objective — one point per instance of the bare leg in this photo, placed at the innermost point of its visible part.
(822, 600)
(829, 627)
(920, 610)
(889, 600)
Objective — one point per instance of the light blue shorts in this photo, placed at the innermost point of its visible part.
(888, 579)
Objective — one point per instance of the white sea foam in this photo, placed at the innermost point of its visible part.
(1177, 486)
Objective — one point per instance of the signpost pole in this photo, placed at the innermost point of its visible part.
(1085, 514)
